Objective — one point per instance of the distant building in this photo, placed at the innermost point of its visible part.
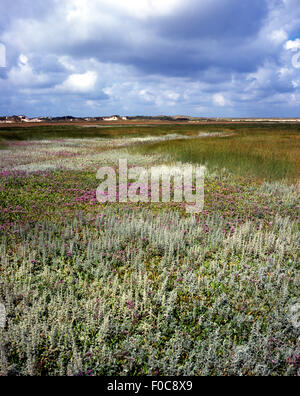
(112, 118)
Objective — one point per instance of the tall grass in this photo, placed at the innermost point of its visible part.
(138, 289)
(265, 151)
(145, 294)
(266, 156)
(40, 132)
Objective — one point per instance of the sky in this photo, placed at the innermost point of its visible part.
(206, 58)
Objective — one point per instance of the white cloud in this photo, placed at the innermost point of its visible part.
(67, 63)
(147, 95)
(145, 8)
(279, 36)
(138, 8)
(23, 60)
(151, 57)
(79, 83)
(296, 61)
(219, 100)
(293, 45)
(24, 74)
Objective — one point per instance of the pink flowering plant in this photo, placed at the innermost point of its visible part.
(95, 288)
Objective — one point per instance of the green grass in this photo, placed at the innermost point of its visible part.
(262, 151)
(77, 132)
(41, 132)
(258, 153)
(114, 290)
(138, 289)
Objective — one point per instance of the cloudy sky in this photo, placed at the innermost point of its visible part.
(238, 58)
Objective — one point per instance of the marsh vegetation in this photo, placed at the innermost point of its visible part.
(146, 289)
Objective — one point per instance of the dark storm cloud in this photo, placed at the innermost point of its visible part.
(198, 36)
(217, 20)
(25, 9)
(105, 55)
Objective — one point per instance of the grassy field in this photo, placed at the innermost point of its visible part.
(267, 151)
(136, 289)
(41, 132)
(265, 154)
